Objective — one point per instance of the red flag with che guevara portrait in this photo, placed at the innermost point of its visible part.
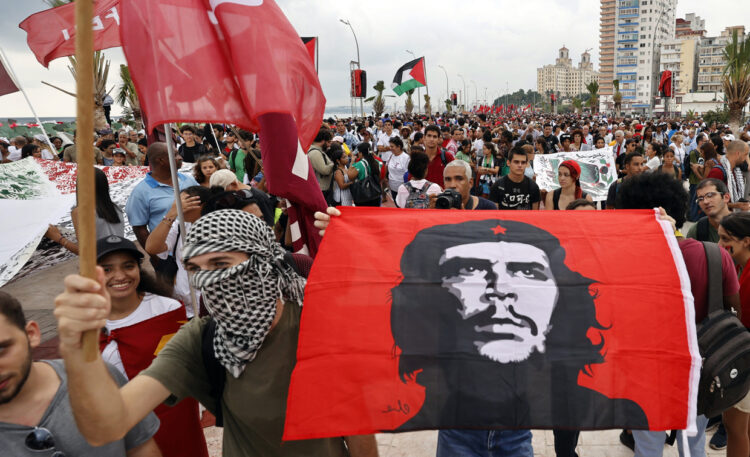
(494, 319)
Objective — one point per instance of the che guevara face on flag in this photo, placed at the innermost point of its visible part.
(472, 319)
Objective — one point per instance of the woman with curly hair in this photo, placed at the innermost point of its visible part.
(204, 168)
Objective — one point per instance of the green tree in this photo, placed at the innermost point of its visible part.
(577, 104)
(448, 105)
(409, 105)
(378, 102)
(593, 88)
(617, 97)
(736, 79)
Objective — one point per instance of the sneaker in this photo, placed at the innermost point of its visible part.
(719, 440)
(713, 424)
(628, 440)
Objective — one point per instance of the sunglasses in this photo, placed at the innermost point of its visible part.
(41, 439)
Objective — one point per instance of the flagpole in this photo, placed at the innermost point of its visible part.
(4, 60)
(178, 201)
(426, 86)
(86, 193)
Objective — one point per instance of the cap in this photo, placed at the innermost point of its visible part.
(115, 243)
(40, 137)
(728, 137)
(564, 137)
(141, 132)
(118, 151)
(338, 138)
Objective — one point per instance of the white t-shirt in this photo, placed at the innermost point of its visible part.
(653, 163)
(478, 145)
(181, 285)
(14, 153)
(679, 152)
(383, 139)
(47, 155)
(151, 306)
(397, 167)
(403, 191)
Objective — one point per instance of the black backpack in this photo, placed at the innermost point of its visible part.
(368, 189)
(724, 346)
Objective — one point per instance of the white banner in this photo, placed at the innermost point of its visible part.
(598, 170)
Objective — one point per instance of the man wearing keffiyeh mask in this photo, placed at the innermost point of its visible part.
(255, 299)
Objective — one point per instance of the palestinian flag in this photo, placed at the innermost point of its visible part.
(311, 44)
(410, 76)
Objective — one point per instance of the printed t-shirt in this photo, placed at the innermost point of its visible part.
(58, 419)
(397, 166)
(512, 195)
(253, 405)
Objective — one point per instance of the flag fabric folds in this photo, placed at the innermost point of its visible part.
(665, 84)
(504, 319)
(51, 33)
(254, 72)
(7, 85)
(410, 76)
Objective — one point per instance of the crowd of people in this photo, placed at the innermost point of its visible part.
(236, 355)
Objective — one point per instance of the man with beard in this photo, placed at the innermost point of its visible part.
(35, 414)
(491, 321)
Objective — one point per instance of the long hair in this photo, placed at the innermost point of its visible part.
(364, 148)
(424, 320)
(105, 207)
(198, 172)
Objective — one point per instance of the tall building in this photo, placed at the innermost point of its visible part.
(711, 59)
(606, 50)
(565, 79)
(641, 28)
(691, 25)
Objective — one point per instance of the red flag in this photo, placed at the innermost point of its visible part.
(51, 33)
(311, 44)
(254, 72)
(665, 84)
(7, 86)
(504, 319)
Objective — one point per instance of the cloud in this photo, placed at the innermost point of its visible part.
(492, 42)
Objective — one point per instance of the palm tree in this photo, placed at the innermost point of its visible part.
(593, 88)
(577, 104)
(101, 71)
(409, 105)
(126, 96)
(378, 105)
(617, 97)
(449, 105)
(736, 79)
(427, 105)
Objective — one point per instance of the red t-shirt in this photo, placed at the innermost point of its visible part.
(745, 295)
(436, 167)
(717, 173)
(695, 260)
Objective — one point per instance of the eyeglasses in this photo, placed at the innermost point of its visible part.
(707, 195)
(41, 439)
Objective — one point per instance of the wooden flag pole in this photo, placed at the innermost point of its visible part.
(85, 151)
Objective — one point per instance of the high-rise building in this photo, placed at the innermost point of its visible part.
(691, 25)
(606, 51)
(711, 59)
(641, 28)
(563, 78)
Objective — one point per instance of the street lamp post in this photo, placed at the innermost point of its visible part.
(447, 89)
(419, 92)
(651, 100)
(359, 64)
(464, 97)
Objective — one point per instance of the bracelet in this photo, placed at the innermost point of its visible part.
(170, 219)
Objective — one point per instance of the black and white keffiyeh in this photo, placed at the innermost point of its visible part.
(241, 299)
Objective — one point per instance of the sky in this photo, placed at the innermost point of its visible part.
(496, 44)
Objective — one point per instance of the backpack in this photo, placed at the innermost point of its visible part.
(368, 189)
(417, 198)
(215, 372)
(724, 345)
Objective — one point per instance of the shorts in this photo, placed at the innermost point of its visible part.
(744, 404)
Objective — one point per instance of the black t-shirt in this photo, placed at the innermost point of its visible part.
(512, 195)
(483, 203)
(190, 154)
(612, 194)
(551, 141)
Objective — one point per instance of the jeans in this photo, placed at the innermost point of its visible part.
(651, 444)
(484, 443)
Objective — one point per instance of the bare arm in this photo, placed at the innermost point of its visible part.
(156, 242)
(103, 412)
(338, 175)
(141, 233)
(549, 201)
(362, 445)
(147, 449)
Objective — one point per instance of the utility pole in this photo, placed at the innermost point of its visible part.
(464, 94)
(447, 89)
(476, 95)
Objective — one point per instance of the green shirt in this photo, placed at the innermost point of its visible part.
(237, 164)
(465, 157)
(254, 405)
(693, 179)
(363, 167)
(713, 233)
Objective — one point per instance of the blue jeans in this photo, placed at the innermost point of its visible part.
(651, 444)
(484, 443)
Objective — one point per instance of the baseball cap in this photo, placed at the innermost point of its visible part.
(728, 137)
(118, 151)
(115, 243)
(338, 138)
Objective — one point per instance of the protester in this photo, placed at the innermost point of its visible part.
(416, 192)
(35, 410)
(670, 165)
(396, 165)
(321, 163)
(488, 169)
(204, 168)
(31, 150)
(713, 198)
(131, 149)
(729, 173)
(516, 190)
(734, 236)
(140, 317)
(365, 165)
(633, 166)
(568, 176)
(120, 158)
(439, 157)
(232, 254)
(190, 150)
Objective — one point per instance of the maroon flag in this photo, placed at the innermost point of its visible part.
(254, 72)
(51, 33)
(7, 85)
